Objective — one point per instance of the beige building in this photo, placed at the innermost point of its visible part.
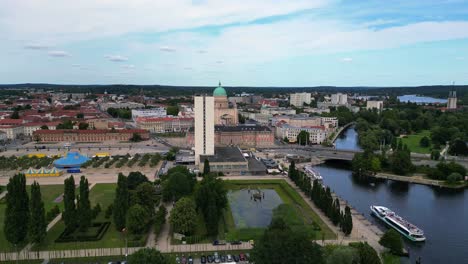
(374, 105)
(204, 126)
(224, 113)
(298, 99)
(164, 124)
(452, 100)
(339, 99)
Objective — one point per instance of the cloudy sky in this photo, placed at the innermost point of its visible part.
(243, 42)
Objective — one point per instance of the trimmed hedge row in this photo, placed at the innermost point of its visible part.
(77, 237)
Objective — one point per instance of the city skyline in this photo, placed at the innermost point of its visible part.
(266, 43)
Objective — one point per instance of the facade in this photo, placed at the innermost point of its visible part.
(224, 112)
(244, 136)
(3, 136)
(71, 135)
(130, 105)
(339, 99)
(12, 132)
(452, 100)
(277, 111)
(298, 99)
(374, 105)
(262, 119)
(226, 160)
(317, 134)
(153, 112)
(164, 124)
(204, 126)
(29, 128)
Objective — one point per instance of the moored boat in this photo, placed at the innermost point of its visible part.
(397, 222)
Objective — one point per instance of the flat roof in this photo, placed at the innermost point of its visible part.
(224, 154)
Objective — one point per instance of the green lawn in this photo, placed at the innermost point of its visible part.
(412, 141)
(390, 259)
(295, 211)
(49, 194)
(103, 194)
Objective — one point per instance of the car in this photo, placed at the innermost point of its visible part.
(242, 257)
(223, 258)
(184, 260)
(203, 259)
(177, 260)
(219, 242)
(210, 259)
(216, 258)
(190, 260)
(237, 242)
(229, 258)
(236, 258)
(247, 255)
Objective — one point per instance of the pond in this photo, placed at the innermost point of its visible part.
(413, 98)
(250, 213)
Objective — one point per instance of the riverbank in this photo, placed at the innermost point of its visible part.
(419, 179)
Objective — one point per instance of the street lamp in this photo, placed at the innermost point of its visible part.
(124, 231)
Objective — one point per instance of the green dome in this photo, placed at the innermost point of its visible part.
(219, 91)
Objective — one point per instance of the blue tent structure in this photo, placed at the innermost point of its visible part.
(72, 160)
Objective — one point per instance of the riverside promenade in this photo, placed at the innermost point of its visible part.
(418, 179)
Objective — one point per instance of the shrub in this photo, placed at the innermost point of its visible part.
(454, 177)
(109, 211)
(52, 213)
(392, 240)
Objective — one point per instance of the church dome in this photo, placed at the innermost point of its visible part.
(219, 91)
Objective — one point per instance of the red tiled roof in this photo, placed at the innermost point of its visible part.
(9, 121)
(89, 131)
(166, 118)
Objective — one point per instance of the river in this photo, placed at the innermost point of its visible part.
(413, 98)
(441, 213)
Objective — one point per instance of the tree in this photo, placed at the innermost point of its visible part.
(38, 225)
(435, 154)
(303, 138)
(347, 223)
(367, 255)
(135, 178)
(454, 177)
(136, 137)
(44, 127)
(343, 255)
(206, 167)
(84, 213)
(137, 219)
(80, 115)
(121, 199)
(147, 255)
(15, 115)
(172, 110)
(401, 160)
(69, 212)
(211, 199)
(183, 216)
(83, 126)
(392, 240)
(177, 185)
(458, 147)
(65, 125)
(286, 139)
(145, 195)
(424, 142)
(279, 244)
(17, 210)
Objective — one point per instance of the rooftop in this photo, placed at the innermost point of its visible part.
(225, 154)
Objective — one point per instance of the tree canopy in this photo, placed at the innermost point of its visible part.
(183, 216)
(392, 240)
(147, 255)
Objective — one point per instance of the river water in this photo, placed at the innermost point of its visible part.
(441, 213)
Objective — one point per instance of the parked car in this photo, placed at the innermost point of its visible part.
(236, 258)
(210, 259)
(229, 258)
(237, 242)
(184, 260)
(242, 257)
(216, 258)
(190, 260)
(177, 260)
(223, 258)
(203, 259)
(247, 255)
(219, 242)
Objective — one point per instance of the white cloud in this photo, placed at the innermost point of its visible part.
(129, 67)
(167, 49)
(347, 59)
(58, 53)
(36, 46)
(116, 58)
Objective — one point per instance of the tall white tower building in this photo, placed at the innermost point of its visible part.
(204, 126)
(452, 100)
(298, 99)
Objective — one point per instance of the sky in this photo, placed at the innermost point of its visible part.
(240, 43)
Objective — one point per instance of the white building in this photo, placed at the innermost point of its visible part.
(3, 136)
(374, 105)
(277, 111)
(317, 134)
(452, 100)
(12, 132)
(153, 112)
(298, 99)
(204, 126)
(339, 99)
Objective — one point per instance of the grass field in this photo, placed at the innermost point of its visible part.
(295, 211)
(49, 194)
(388, 258)
(412, 141)
(103, 194)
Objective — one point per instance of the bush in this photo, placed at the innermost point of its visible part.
(109, 211)
(160, 219)
(392, 240)
(454, 177)
(52, 213)
(96, 210)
